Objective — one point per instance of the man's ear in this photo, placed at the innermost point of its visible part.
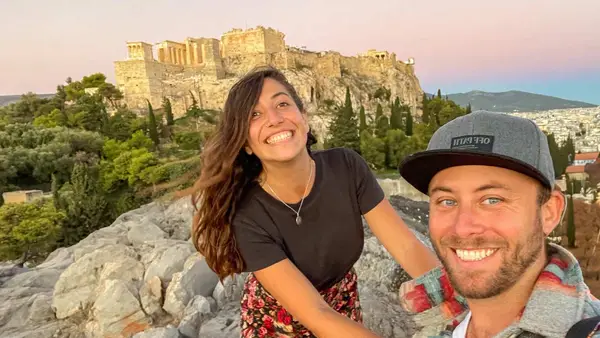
(553, 211)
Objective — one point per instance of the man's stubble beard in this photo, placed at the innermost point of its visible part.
(476, 285)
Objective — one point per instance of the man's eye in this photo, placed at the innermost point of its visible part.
(492, 200)
(447, 202)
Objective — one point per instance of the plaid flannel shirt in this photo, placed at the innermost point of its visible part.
(559, 299)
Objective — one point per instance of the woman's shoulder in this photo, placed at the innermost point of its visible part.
(247, 205)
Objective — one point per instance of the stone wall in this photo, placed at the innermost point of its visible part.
(399, 187)
(237, 65)
(211, 54)
(257, 40)
(133, 82)
(330, 65)
(141, 80)
(282, 60)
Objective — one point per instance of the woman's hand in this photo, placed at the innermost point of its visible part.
(298, 296)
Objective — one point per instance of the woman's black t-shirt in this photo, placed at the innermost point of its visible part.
(330, 238)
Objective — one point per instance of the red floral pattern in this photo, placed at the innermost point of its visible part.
(263, 316)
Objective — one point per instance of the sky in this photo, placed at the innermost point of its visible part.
(549, 47)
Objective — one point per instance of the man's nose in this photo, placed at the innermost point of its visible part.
(467, 221)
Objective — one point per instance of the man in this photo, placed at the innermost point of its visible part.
(493, 202)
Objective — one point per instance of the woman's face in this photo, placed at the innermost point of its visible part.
(278, 129)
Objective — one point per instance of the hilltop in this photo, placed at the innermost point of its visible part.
(203, 70)
(514, 101)
(5, 100)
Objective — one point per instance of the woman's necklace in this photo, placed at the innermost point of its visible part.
(298, 218)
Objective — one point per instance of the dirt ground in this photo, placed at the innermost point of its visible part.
(587, 242)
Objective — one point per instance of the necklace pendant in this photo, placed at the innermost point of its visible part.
(298, 220)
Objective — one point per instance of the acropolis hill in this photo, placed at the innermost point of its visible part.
(208, 67)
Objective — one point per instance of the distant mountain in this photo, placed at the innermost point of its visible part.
(5, 100)
(513, 101)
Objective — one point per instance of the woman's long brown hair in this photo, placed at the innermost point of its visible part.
(227, 171)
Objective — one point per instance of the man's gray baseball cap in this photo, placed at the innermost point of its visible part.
(482, 138)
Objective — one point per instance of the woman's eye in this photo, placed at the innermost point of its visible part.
(283, 104)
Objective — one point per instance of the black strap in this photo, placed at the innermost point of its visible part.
(583, 328)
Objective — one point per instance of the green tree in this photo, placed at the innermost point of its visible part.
(54, 119)
(409, 124)
(84, 203)
(29, 230)
(568, 150)
(344, 129)
(109, 92)
(557, 157)
(152, 130)
(362, 119)
(372, 150)
(168, 111)
(396, 150)
(123, 123)
(396, 115)
(424, 108)
(93, 80)
(382, 127)
(570, 218)
(381, 123)
(468, 110)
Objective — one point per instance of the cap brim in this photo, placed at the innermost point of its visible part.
(419, 168)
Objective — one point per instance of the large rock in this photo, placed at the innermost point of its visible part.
(117, 311)
(195, 279)
(78, 286)
(142, 277)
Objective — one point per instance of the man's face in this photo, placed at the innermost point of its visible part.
(487, 227)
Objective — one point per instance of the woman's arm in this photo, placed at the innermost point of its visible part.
(298, 296)
(398, 239)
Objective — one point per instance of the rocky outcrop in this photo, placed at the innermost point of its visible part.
(141, 277)
(319, 92)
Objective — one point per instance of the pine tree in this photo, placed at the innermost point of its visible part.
(409, 124)
(556, 154)
(54, 188)
(381, 123)
(168, 111)
(344, 129)
(84, 205)
(425, 116)
(378, 112)
(468, 110)
(152, 125)
(569, 150)
(439, 94)
(363, 119)
(570, 217)
(396, 115)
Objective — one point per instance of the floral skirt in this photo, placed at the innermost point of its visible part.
(263, 316)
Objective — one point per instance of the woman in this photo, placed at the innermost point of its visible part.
(292, 218)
